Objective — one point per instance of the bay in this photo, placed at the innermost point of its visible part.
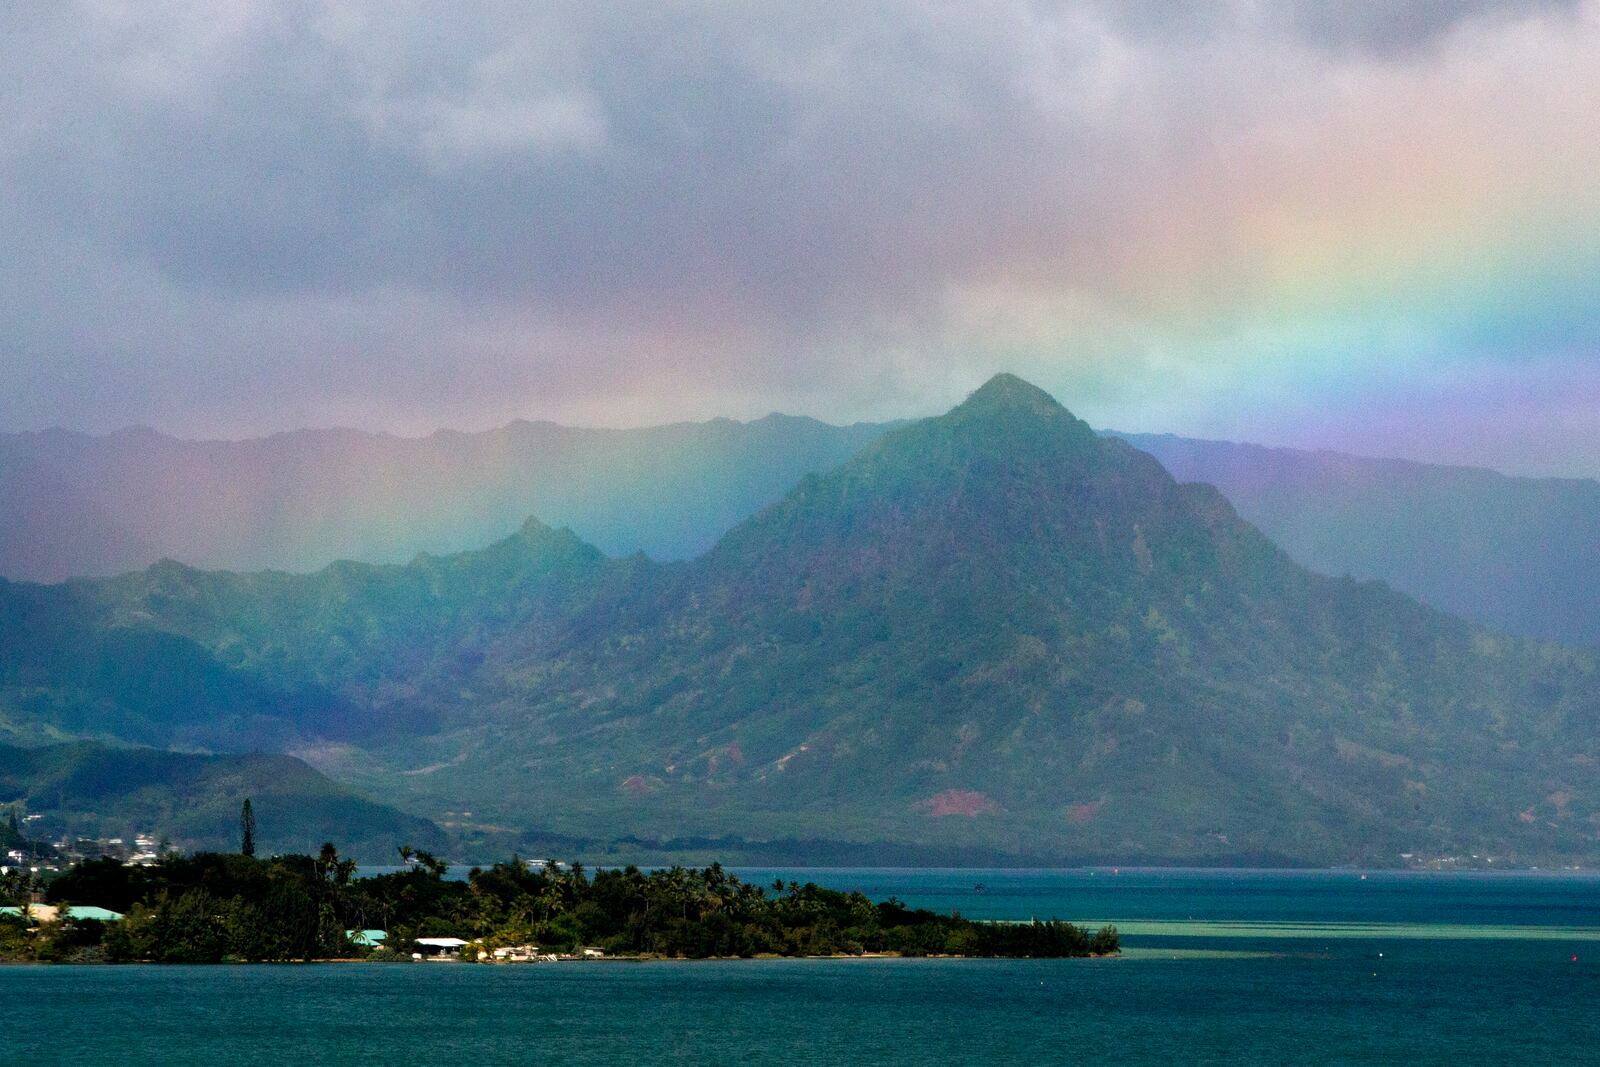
(1252, 967)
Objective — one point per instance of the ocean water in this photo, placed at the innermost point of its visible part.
(1537, 898)
(1221, 967)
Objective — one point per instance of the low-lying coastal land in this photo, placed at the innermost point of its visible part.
(215, 907)
(1215, 966)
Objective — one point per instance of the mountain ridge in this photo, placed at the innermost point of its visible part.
(992, 627)
(1516, 554)
(1250, 556)
(1513, 553)
(97, 506)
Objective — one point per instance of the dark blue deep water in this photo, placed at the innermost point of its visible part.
(1566, 898)
(1253, 968)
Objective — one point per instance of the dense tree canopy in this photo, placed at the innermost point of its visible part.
(211, 907)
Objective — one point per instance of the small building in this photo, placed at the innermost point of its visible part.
(517, 953)
(366, 938)
(438, 948)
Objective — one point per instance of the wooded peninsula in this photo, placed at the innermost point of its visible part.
(218, 907)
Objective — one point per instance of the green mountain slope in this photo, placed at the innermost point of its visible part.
(177, 656)
(989, 629)
(994, 626)
(194, 800)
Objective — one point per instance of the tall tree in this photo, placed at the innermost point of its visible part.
(247, 829)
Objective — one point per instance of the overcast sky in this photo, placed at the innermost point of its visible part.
(1371, 225)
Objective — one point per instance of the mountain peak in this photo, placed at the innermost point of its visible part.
(1009, 393)
(534, 530)
(1008, 405)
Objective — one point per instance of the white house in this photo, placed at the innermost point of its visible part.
(439, 947)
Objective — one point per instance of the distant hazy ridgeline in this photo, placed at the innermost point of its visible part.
(82, 505)
(1516, 554)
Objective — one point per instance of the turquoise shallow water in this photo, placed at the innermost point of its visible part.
(1316, 990)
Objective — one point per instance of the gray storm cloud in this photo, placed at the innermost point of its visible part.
(236, 217)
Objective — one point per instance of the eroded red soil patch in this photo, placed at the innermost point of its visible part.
(638, 785)
(1082, 813)
(967, 802)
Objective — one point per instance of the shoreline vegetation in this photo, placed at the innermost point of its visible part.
(220, 907)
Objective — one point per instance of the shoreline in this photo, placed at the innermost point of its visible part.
(346, 960)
